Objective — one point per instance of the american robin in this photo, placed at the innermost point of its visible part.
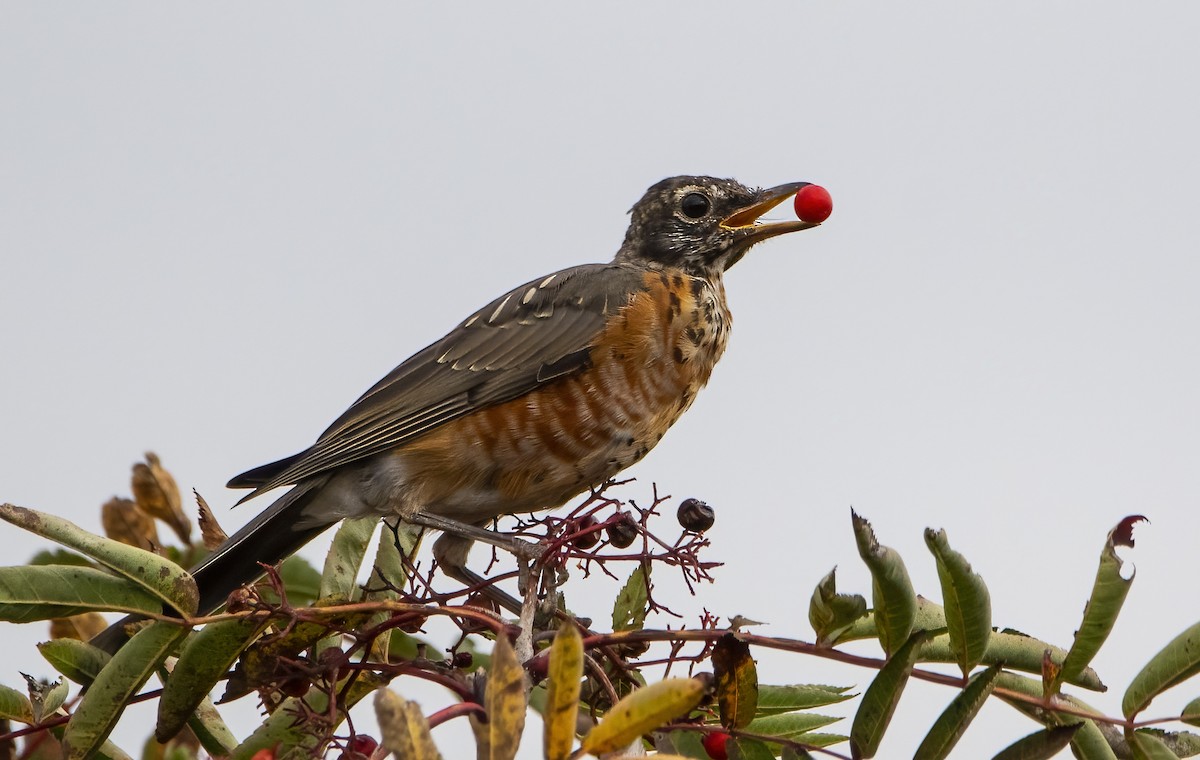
(547, 391)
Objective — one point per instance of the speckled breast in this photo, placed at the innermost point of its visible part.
(647, 365)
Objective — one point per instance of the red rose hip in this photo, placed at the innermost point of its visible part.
(714, 744)
(813, 204)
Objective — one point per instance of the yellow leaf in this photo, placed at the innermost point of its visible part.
(644, 710)
(564, 679)
(405, 730)
(737, 681)
(505, 701)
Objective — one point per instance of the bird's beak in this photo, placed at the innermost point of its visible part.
(746, 220)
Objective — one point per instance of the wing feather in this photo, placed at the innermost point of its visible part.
(530, 336)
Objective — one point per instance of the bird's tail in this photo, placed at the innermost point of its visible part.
(269, 538)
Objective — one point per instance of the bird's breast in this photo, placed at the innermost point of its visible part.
(539, 450)
(658, 351)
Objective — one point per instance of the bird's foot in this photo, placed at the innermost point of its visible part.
(523, 550)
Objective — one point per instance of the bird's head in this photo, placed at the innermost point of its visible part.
(703, 224)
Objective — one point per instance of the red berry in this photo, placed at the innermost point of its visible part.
(362, 745)
(583, 541)
(714, 745)
(813, 203)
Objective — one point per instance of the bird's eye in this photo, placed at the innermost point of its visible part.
(695, 205)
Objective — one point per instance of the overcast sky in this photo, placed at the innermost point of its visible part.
(219, 226)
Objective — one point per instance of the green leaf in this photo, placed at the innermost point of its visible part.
(15, 705)
(881, 697)
(1148, 747)
(102, 705)
(210, 730)
(77, 660)
(968, 604)
(736, 681)
(59, 557)
(1108, 595)
(792, 726)
(929, 616)
(1182, 743)
(397, 540)
(629, 611)
(340, 577)
(45, 697)
(564, 678)
(831, 614)
(742, 748)
(301, 581)
(1040, 745)
(793, 754)
(29, 593)
(107, 750)
(892, 593)
(161, 578)
(815, 739)
(685, 743)
(203, 662)
(773, 700)
(1088, 743)
(953, 722)
(1016, 651)
(396, 544)
(1191, 713)
(1177, 662)
(1013, 650)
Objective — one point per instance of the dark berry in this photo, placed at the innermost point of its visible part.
(295, 686)
(622, 534)
(583, 541)
(695, 515)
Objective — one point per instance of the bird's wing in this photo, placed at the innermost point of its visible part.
(530, 336)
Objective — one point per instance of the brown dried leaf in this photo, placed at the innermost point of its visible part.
(79, 627)
(124, 522)
(211, 533)
(157, 494)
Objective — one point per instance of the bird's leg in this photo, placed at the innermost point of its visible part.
(520, 548)
(452, 547)
(450, 551)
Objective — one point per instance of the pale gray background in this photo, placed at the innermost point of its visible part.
(218, 226)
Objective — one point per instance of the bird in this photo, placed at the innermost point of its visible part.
(548, 391)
